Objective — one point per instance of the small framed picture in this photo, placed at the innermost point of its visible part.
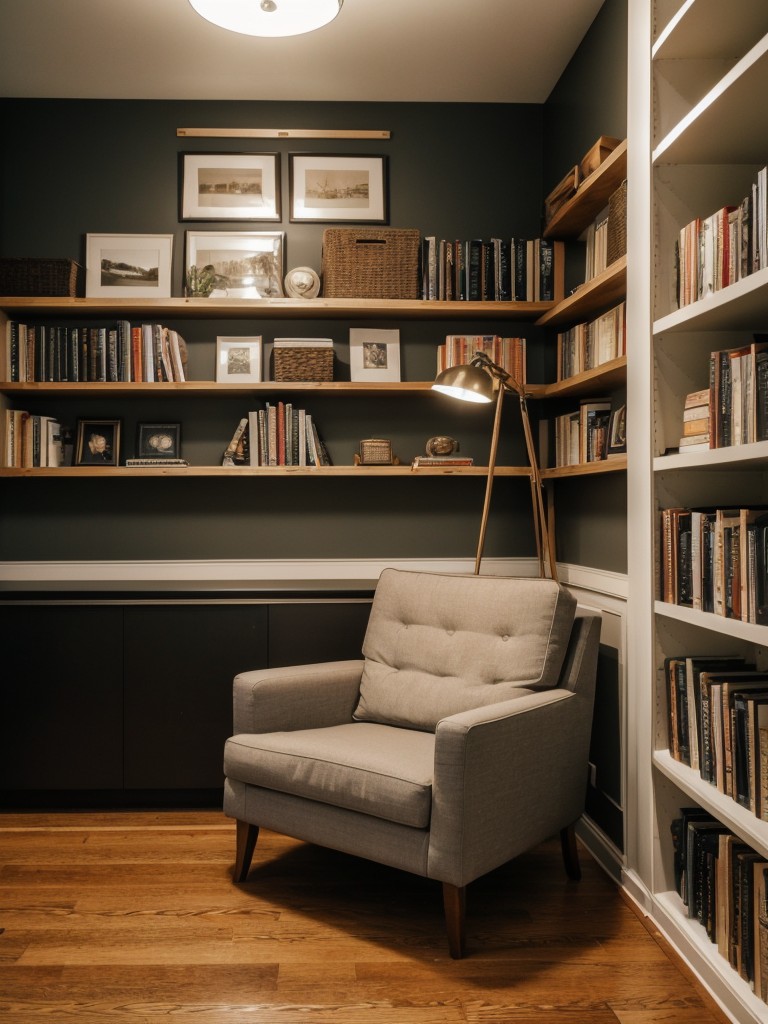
(617, 431)
(158, 441)
(374, 355)
(235, 264)
(329, 188)
(238, 360)
(98, 443)
(230, 186)
(128, 266)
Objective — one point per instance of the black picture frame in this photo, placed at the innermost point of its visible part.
(617, 431)
(98, 443)
(158, 441)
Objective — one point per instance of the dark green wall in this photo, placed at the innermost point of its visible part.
(109, 166)
(590, 100)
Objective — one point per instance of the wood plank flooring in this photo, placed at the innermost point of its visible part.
(133, 917)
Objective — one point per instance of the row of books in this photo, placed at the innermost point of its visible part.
(587, 345)
(718, 724)
(733, 410)
(732, 243)
(716, 560)
(31, 440)
(722, 882)
(277, 435)
(508, 353)
(593, 432)
(493, 270)
(40, 352)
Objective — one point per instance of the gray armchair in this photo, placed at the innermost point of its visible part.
(459, 741)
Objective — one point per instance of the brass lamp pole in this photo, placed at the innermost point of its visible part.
(477, 381)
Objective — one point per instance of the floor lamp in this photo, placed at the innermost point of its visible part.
(482, 380)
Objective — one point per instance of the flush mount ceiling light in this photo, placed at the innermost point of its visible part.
(268, 17)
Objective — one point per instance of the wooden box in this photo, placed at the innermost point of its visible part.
(371, 263)
(561, 193)
(603, 148)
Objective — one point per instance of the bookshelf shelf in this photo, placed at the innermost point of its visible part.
(725, 809)
(274, 309)
(318, 472)
(726, 125)
(603, 291)
(617, 465)
(202, 388)
(612, 374)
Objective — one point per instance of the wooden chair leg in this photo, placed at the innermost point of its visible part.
(570, 853)
(246, 843)
(454, 901)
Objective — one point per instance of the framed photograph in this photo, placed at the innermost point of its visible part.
(328, 188)
(158, 441)
(128, 266)
(374, 355)
(230, 186)
(235, 264)
(98, 443)
(617, 431)
(238, 360)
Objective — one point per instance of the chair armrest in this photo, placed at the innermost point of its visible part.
(296, 697)
(507, 776)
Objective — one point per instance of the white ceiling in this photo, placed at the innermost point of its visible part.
(495, 51)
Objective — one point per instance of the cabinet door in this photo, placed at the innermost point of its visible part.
(61, 697)
(179, 664)
(307, 632)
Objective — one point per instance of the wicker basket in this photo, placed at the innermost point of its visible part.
(371, 263)
(303, 363)
(21, 275)
(617, 223)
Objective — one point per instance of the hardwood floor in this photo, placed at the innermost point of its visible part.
(134, 917)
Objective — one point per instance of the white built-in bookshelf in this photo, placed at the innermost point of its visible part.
(696, 83)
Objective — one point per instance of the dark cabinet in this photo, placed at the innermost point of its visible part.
(179, 664)
(137, 698)
(61, 697)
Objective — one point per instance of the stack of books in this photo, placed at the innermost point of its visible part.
(696, 421)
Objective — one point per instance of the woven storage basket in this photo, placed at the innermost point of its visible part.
(26, 276)
(617, 223)
(371, 263)
(303, 364)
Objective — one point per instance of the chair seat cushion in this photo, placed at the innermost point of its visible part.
(375, 769)
(438, 644)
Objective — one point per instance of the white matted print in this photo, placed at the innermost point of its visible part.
(239, 264)
(238, 360)
(327, 188)
(230, 186)
(374, 355)
(128, 266)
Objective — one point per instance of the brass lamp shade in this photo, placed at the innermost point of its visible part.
(466, 382)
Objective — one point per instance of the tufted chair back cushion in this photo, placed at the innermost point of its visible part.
(439, 644)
